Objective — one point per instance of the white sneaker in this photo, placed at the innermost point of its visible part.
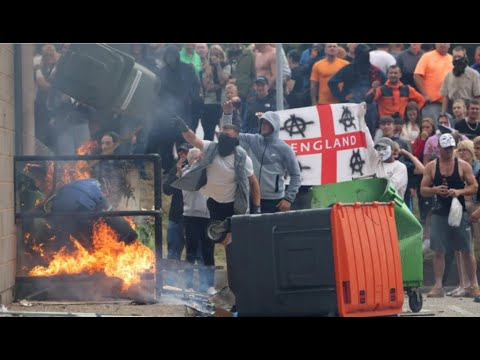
(211, 291)
(426, 245)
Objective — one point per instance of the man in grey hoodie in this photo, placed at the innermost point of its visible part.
(272, 158)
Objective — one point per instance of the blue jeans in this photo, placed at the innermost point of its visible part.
(175, 239)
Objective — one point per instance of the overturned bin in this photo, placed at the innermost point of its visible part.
(302, 263)
(409, 229)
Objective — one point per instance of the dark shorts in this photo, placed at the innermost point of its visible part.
(444, 236)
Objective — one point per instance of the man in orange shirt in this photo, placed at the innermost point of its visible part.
(322, 71)
(393, 96)
(429, 74)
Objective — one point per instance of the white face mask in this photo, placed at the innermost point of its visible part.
(384, 152)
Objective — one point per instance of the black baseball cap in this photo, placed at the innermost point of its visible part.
(261, 79)
(184, 147)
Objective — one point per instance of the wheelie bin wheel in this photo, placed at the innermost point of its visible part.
(217, 230)
(415, 300)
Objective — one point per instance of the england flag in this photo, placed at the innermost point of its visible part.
(329, 141)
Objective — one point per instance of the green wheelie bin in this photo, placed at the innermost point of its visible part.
(409, 229)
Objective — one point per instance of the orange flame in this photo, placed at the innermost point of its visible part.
(79, 169)
(87, 147)
(26, 238)
(131, 222)
(114, 258)
(39, 249)
(67, 171)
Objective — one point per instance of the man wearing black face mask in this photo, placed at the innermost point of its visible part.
(226, 144)
(462, 82)
(459, 66)
(229, 179)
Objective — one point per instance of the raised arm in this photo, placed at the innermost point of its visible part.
(419, 168)
(187, 134)
(372, 155)
(227, 119)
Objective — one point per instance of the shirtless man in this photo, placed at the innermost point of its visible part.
(265, 60)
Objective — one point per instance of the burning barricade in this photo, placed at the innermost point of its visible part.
(72, 235)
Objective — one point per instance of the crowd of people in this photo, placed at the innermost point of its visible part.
(423, 108)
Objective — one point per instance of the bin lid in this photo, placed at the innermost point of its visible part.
(360, 190)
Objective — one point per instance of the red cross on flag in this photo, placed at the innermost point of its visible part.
(329, 141)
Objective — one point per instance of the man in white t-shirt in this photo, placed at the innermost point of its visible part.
(385, 165)
(230, 179)
(221, 184)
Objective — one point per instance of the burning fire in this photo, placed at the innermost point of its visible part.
(131, 222)
(114, 258)
(67, 172)
(109, 255)
(80, 169)
(87, 147)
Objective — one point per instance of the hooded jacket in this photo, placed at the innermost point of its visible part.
(357, 77)
(272, 158)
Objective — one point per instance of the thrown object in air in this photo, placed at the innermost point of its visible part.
(106, 79)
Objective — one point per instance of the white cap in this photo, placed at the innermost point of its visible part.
(446, 140)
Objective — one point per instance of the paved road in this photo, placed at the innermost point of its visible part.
(444, 307)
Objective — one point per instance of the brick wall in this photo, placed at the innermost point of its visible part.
(7, 142)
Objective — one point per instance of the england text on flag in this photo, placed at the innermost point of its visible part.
(329, 141)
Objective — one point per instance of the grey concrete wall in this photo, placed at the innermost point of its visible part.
(7, 142)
